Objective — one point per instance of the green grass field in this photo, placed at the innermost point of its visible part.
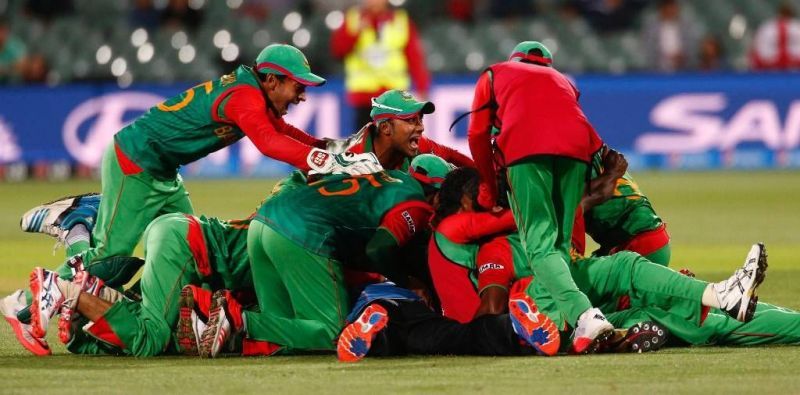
(712, 217)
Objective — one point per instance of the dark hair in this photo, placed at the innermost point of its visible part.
(461, 181)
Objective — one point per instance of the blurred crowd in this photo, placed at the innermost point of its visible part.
(669, 34)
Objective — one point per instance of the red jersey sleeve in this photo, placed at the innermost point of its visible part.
(469, 227)
(247, 108)
(429, 146)
(299, 135)
(407, 219)
(479, 137)
(495, 263)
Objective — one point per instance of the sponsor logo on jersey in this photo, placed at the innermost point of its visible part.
(490, 266)
(409, 221)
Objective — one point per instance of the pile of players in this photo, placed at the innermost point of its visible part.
(384, 243)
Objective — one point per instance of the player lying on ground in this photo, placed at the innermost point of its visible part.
(395, 137)
(676, 302)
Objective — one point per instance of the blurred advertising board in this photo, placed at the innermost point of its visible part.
(695, 122)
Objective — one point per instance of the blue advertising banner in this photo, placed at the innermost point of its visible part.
(671, 122)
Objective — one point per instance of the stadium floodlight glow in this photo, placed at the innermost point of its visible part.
(261, 38)
(118, 67)
(397, 3)
(179, 39)
(222, 38)
(186, 53)
(230, 52)
(145, 53)
(737, 27)
(139, 37)
(334, 19)
(103, 54)
(301, 38)
(234, 4)
(292, 21)
(474, 61)
(197, 4)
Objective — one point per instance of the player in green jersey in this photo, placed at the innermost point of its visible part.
(688, 308)
(180, 250)
(299, 241)
(626, 221)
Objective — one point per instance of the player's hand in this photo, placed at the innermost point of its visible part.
(325, 162)
(614, 163)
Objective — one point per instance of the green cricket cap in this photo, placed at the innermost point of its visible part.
(398, 104)
(527, 50)
(429, 169)
(283, 59)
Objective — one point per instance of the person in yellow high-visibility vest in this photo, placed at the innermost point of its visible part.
(381, 51)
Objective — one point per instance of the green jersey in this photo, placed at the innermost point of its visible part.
(227, 249)
(337, 215)
(625, 215)
(184, 128)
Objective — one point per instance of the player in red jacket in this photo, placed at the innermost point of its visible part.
(545, 145)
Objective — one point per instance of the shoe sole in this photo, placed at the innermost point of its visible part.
(516, 322)
(751, 294)
(343, 346)
(36, 348)
(187, 340)
(645, 336)
(36, 319)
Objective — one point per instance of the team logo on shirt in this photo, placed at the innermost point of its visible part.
(409, 221)
(490, 266)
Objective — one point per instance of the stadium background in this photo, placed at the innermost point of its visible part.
(715, 149)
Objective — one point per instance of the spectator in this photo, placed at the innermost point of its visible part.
(461, 10)
(381, 51)
(776, 45)
(143, 14)
(511, 8)
(178, 15)
(668, 37)
(610, 15)
(712, 56)
(12, 54)
(33, 69)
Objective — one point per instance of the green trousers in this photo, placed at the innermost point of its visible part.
(301, 296)
(146, 327)
(128, 205)
(545, 193)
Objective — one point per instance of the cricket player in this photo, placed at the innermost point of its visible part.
(626, 221)
(298, 243)
(546, 144)
(180, 249)
(140, 168)
(395, 133)
(696, 312)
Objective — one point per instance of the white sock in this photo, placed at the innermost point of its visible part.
(710, 298)
(77, 234)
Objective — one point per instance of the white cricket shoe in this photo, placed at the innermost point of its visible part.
(47, 300)
(220, 327)
(47, 218)
(592, 330)
(10, 306)
(737, 295)
(191, 318)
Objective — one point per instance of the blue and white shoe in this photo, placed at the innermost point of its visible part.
(57, 217)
